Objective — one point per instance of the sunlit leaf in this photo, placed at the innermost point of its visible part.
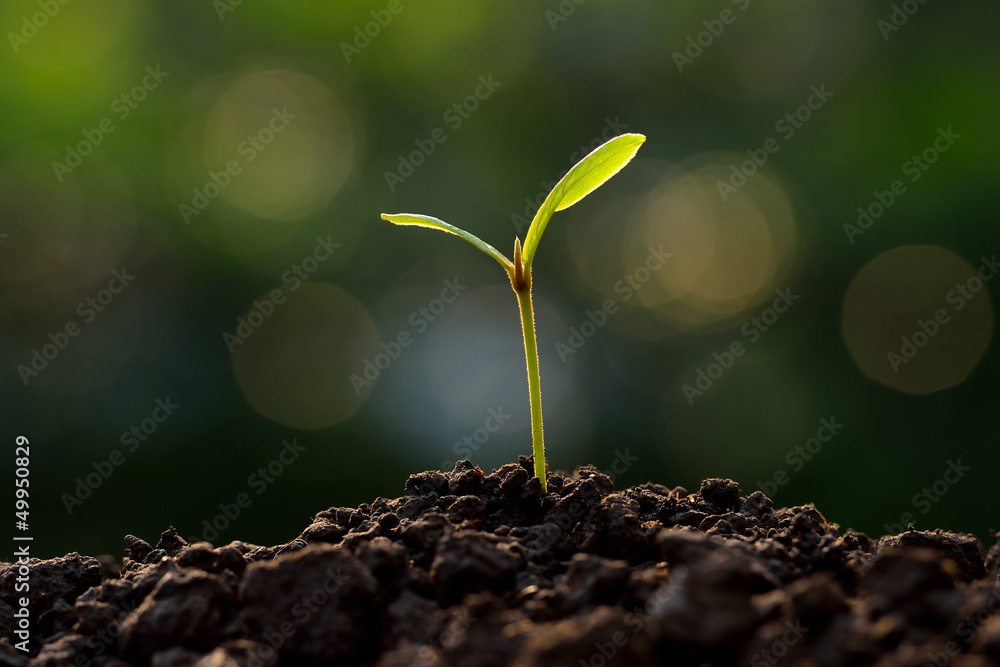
(434, 223)
(586, 176)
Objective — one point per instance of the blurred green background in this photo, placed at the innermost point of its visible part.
(233, 158)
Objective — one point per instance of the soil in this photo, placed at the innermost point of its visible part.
(479, 570)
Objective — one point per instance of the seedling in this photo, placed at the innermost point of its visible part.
(586, 176)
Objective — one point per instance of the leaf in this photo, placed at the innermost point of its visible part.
(586, 176)
(434, 223)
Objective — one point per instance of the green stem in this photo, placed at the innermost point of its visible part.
(534, 386)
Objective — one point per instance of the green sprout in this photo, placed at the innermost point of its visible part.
(586, 176)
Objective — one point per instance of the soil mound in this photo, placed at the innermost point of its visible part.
(479, 570)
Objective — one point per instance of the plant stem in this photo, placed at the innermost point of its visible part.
(534, 386)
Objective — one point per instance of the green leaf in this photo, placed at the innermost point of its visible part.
(586, 176)
(434, 223)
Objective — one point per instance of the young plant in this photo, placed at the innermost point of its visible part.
(586, 176)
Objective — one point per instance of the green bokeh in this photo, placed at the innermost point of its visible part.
(565, 71)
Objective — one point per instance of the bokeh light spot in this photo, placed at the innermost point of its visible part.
(291, 139)
(68, 35)
(295, 365)
(492, 38)
(918, 318)
(728, 255)
(60, 239)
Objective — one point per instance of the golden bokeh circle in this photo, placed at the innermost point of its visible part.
(919, 318)
(295, 366)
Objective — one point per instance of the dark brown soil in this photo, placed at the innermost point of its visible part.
(473, 569)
